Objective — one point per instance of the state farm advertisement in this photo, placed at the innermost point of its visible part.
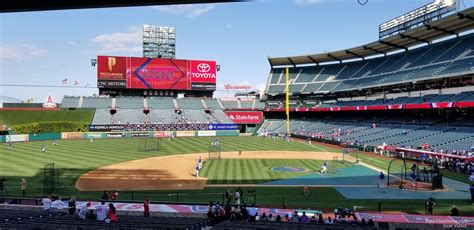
(202, 74)
(245, 117)
(158, 73)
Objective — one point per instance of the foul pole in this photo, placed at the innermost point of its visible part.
(287, 102)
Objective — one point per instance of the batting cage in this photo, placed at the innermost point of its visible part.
(50, 179)
(148, 144)
(350, 153)
(333, 166)
(214, 152)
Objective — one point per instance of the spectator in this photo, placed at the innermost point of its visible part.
(257, 217)
(228, 195)
(241, 193)
(336, 212)
(46, 204)
(210, 210)
(320, 219)
(146, 208)
(252, 211)
(278, 218)
(72, 205)
(237, 196)
(328, 220)
(295, 217)
(313, 219)
(111, 214)
(114, 195)
(23, 185)
(430, 205)
(244, 212)
(270, 217)
(363, 223)
(472, 193)
(83, 211)
(101, 210)
(227, 210)
(105, 196)
(264, 217)
(304, 218)
(287, 218)
(370, 223)
(57, 205)
(454, 211)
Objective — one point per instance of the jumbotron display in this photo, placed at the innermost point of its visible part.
(155, 73)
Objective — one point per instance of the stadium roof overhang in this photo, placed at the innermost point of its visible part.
(38, 5)
(450, 25)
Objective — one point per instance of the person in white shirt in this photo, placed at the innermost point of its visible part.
(237, 197)
(46, 204)
(57, 205)
(83, 211)
(101, 211)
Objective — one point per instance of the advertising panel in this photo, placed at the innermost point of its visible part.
(16, 138)
(206, 133)
(222, 127)
(111, 72)
(162, 133)
(72, 135)
(44, 136)
(185, 133)
(105, 127)
(140, 134)
(158, 73)
(202, 74)
(245, 117)
(115, 135)
(93, 135)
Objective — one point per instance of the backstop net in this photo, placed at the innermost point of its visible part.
(50, 179)
(148, 144)
(350, 154)
(214, 152)
(333, 166)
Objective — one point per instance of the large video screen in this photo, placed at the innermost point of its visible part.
(155, 73)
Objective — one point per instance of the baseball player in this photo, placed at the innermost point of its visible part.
(200, 162)
(43, 148)
(197, 171)
(325, 167)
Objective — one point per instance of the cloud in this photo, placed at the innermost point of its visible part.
(18, 52)
(190, 10)
(130, 41)
(307, 2)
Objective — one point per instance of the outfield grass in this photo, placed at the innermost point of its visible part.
(256, 171)
(75, 157)
(20, 117)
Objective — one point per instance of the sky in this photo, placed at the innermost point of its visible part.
(43, 48)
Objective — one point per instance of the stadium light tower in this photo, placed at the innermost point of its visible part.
(159, 41)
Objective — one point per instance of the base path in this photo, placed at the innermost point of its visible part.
(173, 172)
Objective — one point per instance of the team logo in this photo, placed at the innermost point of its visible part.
(232, 117)
(111, 61)
(211, 126)
(203, 67)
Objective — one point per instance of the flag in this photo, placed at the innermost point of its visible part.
(76, 82)
(64, 81)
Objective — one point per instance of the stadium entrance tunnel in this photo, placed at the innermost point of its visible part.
(288, 169)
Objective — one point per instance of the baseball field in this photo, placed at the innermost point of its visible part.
(86, 168)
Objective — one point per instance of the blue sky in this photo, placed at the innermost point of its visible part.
(46, 47)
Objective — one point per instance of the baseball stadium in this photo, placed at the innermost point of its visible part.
(377, 136)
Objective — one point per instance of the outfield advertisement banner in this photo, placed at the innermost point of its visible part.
(106, 127)
(222, 127)
(245, 117)
(162, 133)
(72, 135)
(93, 135)
(140, 134)
(115, 135)
(206, 133)
(155, 73)
(17, 138)
(44, 136)
(185, 133)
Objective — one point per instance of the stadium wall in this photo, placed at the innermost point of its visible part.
(114, 135)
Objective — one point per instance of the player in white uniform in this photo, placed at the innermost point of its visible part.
(200, 162)
(43, 148)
